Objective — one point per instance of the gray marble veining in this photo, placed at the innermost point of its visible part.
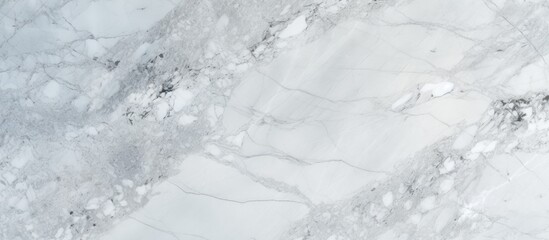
(334, 119)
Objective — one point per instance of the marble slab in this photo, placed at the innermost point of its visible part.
(299, 120)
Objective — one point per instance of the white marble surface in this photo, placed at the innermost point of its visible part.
(332, 120)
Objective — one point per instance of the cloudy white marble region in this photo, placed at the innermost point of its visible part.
(274, 120)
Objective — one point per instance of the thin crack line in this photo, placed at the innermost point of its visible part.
(236, 201)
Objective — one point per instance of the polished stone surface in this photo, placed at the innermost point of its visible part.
(333, 120)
